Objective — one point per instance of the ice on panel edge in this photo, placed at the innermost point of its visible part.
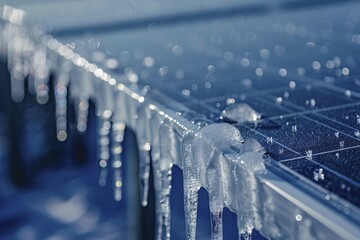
(208, 158)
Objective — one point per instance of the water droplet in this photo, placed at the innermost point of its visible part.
(312, 102)
(345, 71)
(245, 62)
(264, 54)
(283, 72)
(163, 71)
(292, 84)
(348, 93)
(230, 101)
(228, 56)
(177, 50)
(185, 92)
(208, 85)
(211, 68)
(259, 72)
(298, 217)
(286, 95)
(149, 62)
(330, 64)
(279, 49)
(301, 71)
(316, 65)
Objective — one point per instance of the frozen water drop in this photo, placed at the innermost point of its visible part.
(282, 72)
(348, 93)
(269, 140)
(319, 174)
(149, 62)
(292, 84)
(316, 65)
(345, 71)
(312, 102)
(240, 112)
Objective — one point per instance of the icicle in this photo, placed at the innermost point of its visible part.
(61, 84)
(40, 74)
(191, 188)
(162, 165)
(216, 222)
(118, 129)
(105, 112)
(143, 133)
(209, 156)
(247, 166)
(19, 48)
(104, 145)
(162, 183)
(86, 85)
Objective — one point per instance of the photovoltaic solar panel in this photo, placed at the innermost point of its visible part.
(299, 70)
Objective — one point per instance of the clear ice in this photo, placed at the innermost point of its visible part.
(240, 112)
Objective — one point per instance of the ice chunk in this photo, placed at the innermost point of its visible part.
(209, 156)
(240, 112)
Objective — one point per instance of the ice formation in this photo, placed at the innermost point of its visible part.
(240, 112)
(212, 156)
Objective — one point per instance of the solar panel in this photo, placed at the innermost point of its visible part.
(299, 74)
(296, 78)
